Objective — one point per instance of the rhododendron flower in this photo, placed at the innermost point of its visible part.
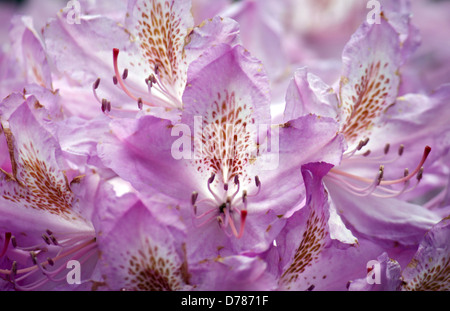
(223, 187)
(245, 145)
(45, 219)
(428, 270)
(367, 90)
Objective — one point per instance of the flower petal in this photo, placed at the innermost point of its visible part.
(233, 273)
(140, 151)
(37, 192)
(369, 79)
(430, 267)
(384, 219)
(306, 94)
(160, 28)
(140, 253)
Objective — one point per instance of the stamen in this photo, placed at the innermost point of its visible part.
(388, 182)
(244, 198)
(420, 174)
(13, 241)
(364, 143)
(154, 99)
(104, 105)
(367, 153)
(258, 184)
(33, 257)
(257, 181)
(94, 89)
(53, 239)
(211, 179)
(401, 149)
(361, 144)
(140, 103)
(194, 197)
(115, 80)
(96, 84)
(14, 269)
(81, 250)
(380, 174)
(46, 238)
(386, 148)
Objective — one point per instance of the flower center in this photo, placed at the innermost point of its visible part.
(228, 208)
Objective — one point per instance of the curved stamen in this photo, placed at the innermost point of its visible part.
(238, 187)
(258, 185)
(210, 181)
(388, 182)
(361, 144)
(75, 249)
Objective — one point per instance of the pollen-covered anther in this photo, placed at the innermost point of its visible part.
(125, 74)
(106, 105)
(194, 198)
(46, 239)
(53, 239)
(367, 153)
(401, 149)
(420, 174)
(406, 172)
(96, 84)
(362, 143)
(258, 185)
(380, 174)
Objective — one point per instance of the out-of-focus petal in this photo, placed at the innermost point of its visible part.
(306, 94)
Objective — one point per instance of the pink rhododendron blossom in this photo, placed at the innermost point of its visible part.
(180, 145)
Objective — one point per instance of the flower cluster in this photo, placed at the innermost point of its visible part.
(245, 145)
